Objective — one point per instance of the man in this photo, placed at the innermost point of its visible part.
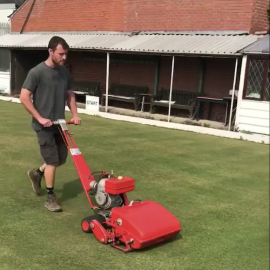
(49, 84)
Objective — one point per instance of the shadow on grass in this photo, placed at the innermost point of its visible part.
(159, 245)
(70, 190)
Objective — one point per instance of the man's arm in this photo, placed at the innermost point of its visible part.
(28, 88)
(71, 100)
(25, 98)
(71, 103)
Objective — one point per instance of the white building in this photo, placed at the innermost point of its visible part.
(252, 114)
(7, 7)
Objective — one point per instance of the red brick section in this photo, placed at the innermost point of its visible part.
(219, 74)
(260, 18)
(70, 15)
(187, 15)
(130, 15)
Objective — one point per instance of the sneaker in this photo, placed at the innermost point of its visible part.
(35, 179)
(52, 204)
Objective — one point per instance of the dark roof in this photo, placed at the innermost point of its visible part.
(18, 3)
(260, 46)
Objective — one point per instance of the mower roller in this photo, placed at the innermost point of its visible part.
(126, 225)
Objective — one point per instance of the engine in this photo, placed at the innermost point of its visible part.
(104, 199)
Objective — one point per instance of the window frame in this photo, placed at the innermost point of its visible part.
(265, 75)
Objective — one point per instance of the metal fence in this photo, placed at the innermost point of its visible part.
(4, 28)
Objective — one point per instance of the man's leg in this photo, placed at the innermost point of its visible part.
(60, 154)
(41, 169)
(50, 178)
(49, 152)
(61, 148)
(35, 177)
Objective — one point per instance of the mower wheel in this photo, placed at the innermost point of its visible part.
(86, 222)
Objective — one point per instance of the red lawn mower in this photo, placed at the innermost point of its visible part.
(126, 225)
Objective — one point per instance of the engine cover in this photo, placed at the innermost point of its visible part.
(119, 185)
(145, 224)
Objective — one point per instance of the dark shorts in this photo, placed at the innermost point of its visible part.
(52, 146)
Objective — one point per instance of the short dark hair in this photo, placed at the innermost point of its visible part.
(55, 41)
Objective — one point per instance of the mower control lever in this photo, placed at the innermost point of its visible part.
(135, 201)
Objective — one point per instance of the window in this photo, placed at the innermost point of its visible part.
(4, 60)
(257, 82)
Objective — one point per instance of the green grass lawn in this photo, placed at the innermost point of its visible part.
(218, 188)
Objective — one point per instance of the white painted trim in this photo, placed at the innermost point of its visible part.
(241, 89)
(107, 80)
(171, 87)
(203, 130)
(233, 93)
(10, 72)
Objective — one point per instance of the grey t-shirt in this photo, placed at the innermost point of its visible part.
(49, 87)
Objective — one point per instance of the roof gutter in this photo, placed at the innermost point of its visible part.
(256, 53)
(180, 54)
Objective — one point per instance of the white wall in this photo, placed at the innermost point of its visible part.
(254, 116)
(251, 116)
(5, 11)
(4, 82)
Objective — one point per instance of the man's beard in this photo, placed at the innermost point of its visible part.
(58, 64)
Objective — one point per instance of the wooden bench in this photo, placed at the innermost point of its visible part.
(86, 88)
(184, 100)
(125, 93)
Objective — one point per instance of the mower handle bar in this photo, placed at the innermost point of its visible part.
(57, 122)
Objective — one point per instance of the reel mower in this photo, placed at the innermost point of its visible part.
(125, 225)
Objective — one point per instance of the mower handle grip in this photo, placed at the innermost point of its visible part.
(70, 122)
